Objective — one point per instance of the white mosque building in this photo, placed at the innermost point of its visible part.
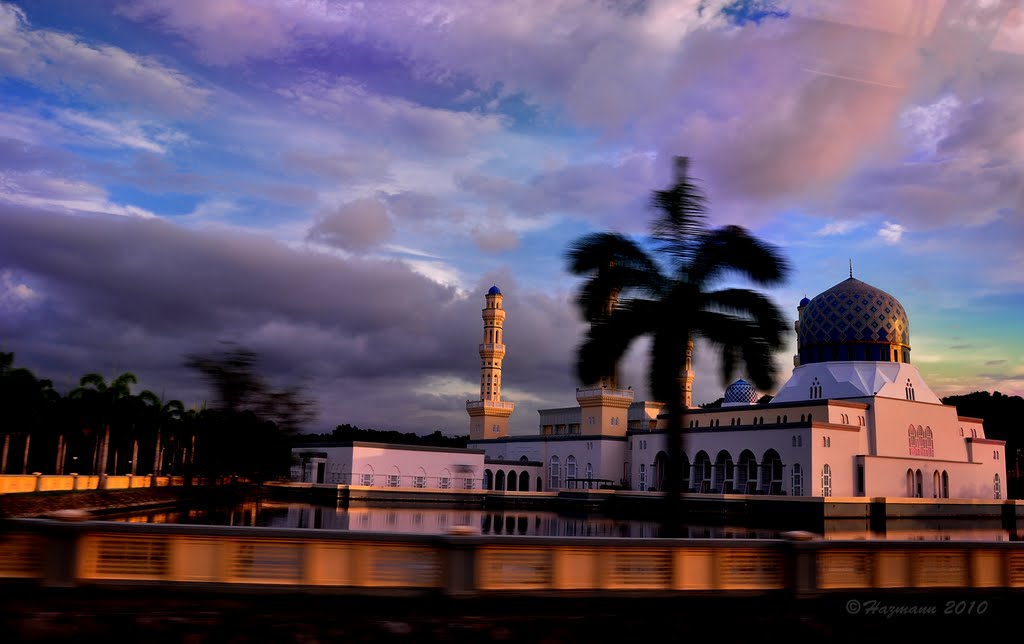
(855, 419)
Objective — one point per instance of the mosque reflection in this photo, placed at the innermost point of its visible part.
(536, 523)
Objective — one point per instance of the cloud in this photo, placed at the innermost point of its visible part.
(891, 233)
(393, 120)
(124, 133)
(994, 363)
(44, 191)
(52, 59)
(361, 333)
(838, 228)
(355, 226)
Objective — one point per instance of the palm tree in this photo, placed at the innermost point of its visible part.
(28, 403)
(102, 405)
(674, 297)
(160, 415)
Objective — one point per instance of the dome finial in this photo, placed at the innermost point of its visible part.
(851, 268)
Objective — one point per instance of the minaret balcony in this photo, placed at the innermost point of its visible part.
(601, 395)
(490, 405)
(492, 349)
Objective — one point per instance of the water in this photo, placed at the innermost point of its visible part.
(365, 518)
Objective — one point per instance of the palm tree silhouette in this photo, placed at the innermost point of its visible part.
(674, 295)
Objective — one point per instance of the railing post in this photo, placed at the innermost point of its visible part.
(801, 559)
(458, 565)
(60, 553)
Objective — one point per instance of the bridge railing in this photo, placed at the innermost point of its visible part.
(58, 553)
(17, 483)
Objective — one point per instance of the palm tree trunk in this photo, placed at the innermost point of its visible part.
(671, 520)
(59, 466)
(3, 459)
(135, 455)
(156, 454)
(24, 459)
(104, 450)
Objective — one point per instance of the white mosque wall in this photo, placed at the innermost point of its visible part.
(383, 465)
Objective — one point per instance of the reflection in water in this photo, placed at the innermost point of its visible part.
(534, 523)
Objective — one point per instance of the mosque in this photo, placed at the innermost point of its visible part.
(855, 419)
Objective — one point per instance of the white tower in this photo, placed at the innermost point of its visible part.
(488, 417)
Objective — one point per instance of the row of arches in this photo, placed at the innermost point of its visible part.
(940, 484)
(747, 475)
(510, 480)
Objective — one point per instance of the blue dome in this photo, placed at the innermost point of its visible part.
(853, 321)
(741, 392)
(494, 290)
(804, 302)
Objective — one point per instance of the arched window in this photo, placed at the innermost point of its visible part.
(554, 474)
(589, 471)
(797, 476)
(488, 480)
(910, 390)
(785, 418)
(826, 480)
(570, 467)
(918, 485)
(794, 441)
(910, 483)
(974, 433)
(929, 447)
(499, 480)
(524, 481)
(912, 438)
(444, 480)
(367, 476)
(936, 485)
(394, 477)
(961, 431)
(997, 488)
(643, 477)
(945, 484)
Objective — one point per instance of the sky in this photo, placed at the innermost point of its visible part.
(335, 185)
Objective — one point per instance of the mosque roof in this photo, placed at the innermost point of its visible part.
(853, 311)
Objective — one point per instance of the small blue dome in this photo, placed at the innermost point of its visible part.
(494, 290)
(741, 392)
(805, 302)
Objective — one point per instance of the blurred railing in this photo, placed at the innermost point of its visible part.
(13, 483)
(62, 553)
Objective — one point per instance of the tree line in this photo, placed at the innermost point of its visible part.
(349, 432)
(105, 427)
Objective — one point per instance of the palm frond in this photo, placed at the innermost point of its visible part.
(732, 249)
(608, 339)
(616, 266)
(749, 305)
(682, 212)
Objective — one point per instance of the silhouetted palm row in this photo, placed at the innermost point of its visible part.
(103, 427)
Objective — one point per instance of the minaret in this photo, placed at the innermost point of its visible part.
(688, 377)
(488, 417)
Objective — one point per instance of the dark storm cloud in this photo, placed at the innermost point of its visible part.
(373, 341)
